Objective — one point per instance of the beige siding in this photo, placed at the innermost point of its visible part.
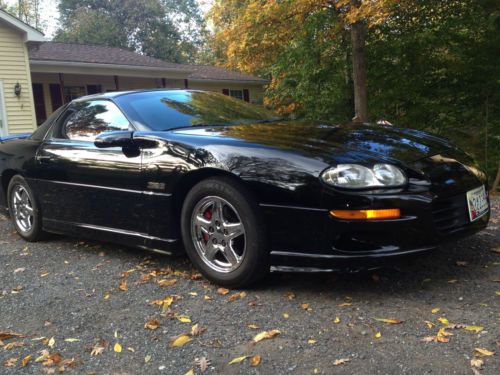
(14, 68)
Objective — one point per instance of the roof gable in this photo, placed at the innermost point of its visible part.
(30, 34)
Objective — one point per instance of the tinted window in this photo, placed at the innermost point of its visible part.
(92, 118)
(163, 110)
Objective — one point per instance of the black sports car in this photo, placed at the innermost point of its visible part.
(241, 189)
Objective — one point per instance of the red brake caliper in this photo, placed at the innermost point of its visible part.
(207, 215)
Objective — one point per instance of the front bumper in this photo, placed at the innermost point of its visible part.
(311, 240)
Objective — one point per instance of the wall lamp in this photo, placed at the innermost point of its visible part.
(17, 89)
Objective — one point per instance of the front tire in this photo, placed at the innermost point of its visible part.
(223, 233)
(24, 210)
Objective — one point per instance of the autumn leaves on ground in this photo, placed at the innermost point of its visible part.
(82, 307)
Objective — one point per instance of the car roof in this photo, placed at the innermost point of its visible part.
(115, 94)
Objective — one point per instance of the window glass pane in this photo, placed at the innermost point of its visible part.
(238, 94)
(73, 92)
(93, 118)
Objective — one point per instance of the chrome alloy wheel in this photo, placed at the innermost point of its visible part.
(218, 234)
(22, 209)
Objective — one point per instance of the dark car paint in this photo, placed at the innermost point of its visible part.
(136, 200)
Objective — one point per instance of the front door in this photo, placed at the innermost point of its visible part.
(3, 115)
(82, 186)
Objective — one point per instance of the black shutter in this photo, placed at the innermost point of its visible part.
(246, 95)
(225, 91)
(39, 99)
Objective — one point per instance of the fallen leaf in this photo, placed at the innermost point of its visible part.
(44, 355)
(190, 372)
(476, 362)
(17, 270)
(45, 274)
(480, 352)
(202, 363)
(236, 296)
(474, 328)
(25, 361)
(306, 306)
(97, 350)
(389, 321)
(207, 298)
(266, 335)
(429, 324)
(461, 263)
(51, 342)
(11, 362)
(72, 340)
(345, 304)
(255, 360)
(444, 321)
(290, 296)
(123, 286)
(147, 358)
(452, 281)
(9, 335)
(253, 326)
(183, 318)
(167, 282)
(193, 293)
(336, 320)
(152, 324)
(436, 310)
(443, 332)
(179, 340)
(223, 291)
(238, 360)
(341, 361)
(52, 359)
(196, 330)
(435, 339)
(117, 348)
(12, 345)
(378, 335)
(311, 341)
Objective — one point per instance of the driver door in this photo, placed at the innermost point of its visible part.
(84, 188)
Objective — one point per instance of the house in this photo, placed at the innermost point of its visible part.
(38, 76)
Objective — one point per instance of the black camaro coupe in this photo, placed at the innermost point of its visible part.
(242, 190)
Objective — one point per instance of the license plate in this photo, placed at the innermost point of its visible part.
(477, 202)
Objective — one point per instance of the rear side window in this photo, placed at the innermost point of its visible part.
(89, 119)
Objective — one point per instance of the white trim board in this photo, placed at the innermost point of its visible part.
(4, 129)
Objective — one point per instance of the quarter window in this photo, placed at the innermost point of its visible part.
(93, 118)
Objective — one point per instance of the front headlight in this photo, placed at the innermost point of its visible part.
(355, 176)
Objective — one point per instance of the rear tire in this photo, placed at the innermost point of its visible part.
(24, 210)
(223, 233)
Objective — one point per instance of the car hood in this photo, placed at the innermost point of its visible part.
(355, 142)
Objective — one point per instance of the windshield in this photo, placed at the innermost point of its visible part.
(164, 110)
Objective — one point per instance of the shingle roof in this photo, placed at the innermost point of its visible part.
(214, 73)
(84, 53)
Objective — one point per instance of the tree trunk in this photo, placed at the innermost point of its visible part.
(497, 181)
(358, 33)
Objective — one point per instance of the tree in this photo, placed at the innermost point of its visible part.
(26, 10)
(166, 29)
(254, 33)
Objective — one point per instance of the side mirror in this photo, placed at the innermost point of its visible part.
(115, 139)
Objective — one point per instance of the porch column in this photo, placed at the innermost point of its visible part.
(117, 83)
(186, 84)
(61, 88)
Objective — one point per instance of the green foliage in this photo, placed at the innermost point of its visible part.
(165, 29)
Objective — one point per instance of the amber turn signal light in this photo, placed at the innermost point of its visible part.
(387, 213)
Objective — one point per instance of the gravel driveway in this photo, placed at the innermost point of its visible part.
(77, 303)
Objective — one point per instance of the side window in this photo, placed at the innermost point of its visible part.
(93, 118)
